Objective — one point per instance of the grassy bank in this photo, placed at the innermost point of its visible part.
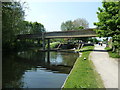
(112, 54)
(83, 74)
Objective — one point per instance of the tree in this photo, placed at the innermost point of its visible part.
(12, 15)
(68, 25)
(31, 27)
(74, 25)
(37, 28)
(80, 23)
(109, 22)
(13, 24)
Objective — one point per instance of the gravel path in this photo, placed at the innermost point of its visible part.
(107, 67)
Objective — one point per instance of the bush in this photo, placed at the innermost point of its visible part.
(53, 45)
(111, 53)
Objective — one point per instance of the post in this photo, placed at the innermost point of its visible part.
(43, 40)
(48, 44)
(48, 50)
(48, 57)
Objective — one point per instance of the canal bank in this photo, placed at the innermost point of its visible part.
(83, 74)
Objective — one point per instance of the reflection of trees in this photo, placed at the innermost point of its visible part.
(53, 55)
(55, 58)
(12, 73)
(69, 58)
(33, 57)
(66, 63)
(15, 66)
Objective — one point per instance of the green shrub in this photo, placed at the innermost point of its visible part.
(111, 53)
(53, 44)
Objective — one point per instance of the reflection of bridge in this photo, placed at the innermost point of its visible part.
(60, 34)
(44, 65)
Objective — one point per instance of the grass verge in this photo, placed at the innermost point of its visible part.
(112, 54)
(83, 74)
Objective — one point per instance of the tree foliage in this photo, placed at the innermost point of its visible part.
(13, 23)
(12, 15)
(68, 25)
(74, 25)
(109, 22)
(31, 27)
(80, 23)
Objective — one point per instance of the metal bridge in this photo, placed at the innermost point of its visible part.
(60, 34)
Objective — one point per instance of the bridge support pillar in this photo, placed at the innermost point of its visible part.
(48, 57)
(48, 44)
(43, 40)
(43, 44)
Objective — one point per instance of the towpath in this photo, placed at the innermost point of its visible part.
(107, 67)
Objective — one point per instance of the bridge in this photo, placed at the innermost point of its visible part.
(60, 34)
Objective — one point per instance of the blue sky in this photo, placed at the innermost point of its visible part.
(52, 14)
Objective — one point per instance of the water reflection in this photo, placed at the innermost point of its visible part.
(35, 69)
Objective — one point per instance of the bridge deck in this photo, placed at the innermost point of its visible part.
(62, 34)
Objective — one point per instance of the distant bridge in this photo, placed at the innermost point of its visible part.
(60, 34)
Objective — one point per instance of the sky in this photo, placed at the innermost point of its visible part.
(52, 14)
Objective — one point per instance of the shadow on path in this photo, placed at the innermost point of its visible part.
(94, 50)
(100, 50)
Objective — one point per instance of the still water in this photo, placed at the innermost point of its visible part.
(35, 69)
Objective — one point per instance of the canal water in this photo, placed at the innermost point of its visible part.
(35, 69)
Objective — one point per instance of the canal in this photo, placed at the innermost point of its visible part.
(35, 69)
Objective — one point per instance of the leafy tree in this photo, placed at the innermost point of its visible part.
(31, 27)
(74, 25)
(26, 27)
(68, 25)
(80, 23)
(77, 24)
(109, 23)
(12, 15)
(13, 24)
(37, 27)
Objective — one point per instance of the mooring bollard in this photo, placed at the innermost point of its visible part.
(84, 58)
